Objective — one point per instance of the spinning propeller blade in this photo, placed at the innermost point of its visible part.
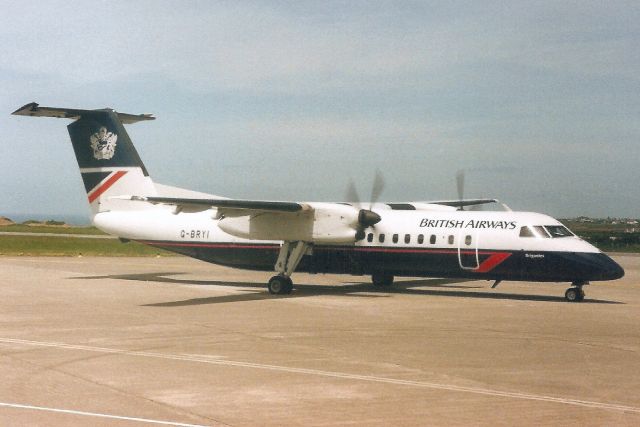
(351, 195)
(366, 217)
(376, 188)
(460, 186)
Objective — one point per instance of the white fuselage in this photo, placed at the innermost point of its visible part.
(487, 230)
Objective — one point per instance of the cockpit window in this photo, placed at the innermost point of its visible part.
(540, 231)
(534, 231)
(526, 232)
(558, 231)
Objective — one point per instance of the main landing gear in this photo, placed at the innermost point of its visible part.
(280, 284)
(575, 293)
(288, 259)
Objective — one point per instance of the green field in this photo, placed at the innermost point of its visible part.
(71, 246)
(41, 228)
(68, 246)
(607, 235)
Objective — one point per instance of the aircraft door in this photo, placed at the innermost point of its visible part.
(468, 250)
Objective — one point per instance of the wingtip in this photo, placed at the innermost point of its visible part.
(32, 106)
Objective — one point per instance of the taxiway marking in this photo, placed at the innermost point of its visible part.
(331, 374)
(94, 414)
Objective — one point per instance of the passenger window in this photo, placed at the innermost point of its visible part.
(432, 239)
(420, 238)
(381, 238)
(395, 238)
(370, 238)
(526, 232)
(467, 240)
(451, 239)
(407, 238)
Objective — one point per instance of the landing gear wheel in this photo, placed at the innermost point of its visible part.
(280, 285)
(289, 287)
(571, 294)
(574, 294)
(381, 280)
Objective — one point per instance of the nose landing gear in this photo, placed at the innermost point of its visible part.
(575, 293)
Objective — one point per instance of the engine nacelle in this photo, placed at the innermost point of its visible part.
(324, 223)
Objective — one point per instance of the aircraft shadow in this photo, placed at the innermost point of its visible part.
(357, 289)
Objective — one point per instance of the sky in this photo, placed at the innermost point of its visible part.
(538, 102)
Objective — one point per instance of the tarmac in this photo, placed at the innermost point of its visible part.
(175, 341)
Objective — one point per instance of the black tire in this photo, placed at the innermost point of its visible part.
(573, 295)
(381, 280)
(288, 287)
(279, 285)
(276, 284)
(580, 295)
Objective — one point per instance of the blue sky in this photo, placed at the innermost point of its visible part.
(538, 101)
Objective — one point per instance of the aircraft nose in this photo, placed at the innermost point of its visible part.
(597, 266)
(613, 271)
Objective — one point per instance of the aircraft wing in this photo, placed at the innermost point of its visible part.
(320, 223)
(463, 203)
(265, 205)
(245, 207)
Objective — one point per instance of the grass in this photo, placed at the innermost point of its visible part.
(71, 246)
(606, 236)
(68, 246)
(23, 228)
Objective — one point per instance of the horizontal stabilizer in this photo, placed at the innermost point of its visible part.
(35, 110)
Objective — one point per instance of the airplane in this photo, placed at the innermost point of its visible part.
(383, 240)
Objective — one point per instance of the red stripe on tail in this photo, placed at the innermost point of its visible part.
(107, 184)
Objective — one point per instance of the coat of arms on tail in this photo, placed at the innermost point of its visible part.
(103, 144)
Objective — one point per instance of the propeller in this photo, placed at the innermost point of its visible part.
(460, 186)
(366, 217)
(376, 188)
(460, 179)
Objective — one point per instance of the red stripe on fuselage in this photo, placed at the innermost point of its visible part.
(319, 248)
(209, 245)
(494, 259)
(107, 184)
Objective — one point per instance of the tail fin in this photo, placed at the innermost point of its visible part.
(108, 161)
